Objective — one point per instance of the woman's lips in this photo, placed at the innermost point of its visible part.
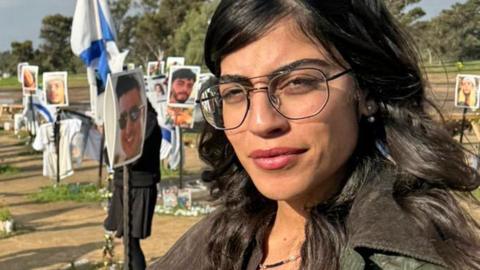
(275, 158)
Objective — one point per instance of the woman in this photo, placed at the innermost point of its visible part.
(322, 154)
(467, 94)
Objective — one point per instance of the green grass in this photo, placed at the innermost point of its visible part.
(468, 67)
(5, 214)
(6, 169)
(71, 192)
(9, 82)
(74, 80)
(167, 173)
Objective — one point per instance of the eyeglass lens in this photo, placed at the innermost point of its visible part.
(133, 114)
(298, 94)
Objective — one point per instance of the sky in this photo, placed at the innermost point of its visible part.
(21, 20)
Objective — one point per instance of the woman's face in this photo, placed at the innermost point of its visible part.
(467, 87)
(293, 160)
(56, 91)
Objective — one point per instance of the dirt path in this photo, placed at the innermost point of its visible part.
(53, 235)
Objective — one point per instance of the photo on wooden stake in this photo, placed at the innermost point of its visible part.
(55, 88)
(29, 79)
(126, 110)
(467, 90)
(19, 70)
(181, 82)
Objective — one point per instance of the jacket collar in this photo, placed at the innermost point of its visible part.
(377, 222)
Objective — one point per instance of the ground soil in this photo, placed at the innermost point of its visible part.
(52, 235)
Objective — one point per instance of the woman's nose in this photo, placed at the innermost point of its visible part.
(263, 120)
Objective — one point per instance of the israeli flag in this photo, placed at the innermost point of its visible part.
(170, 146)
(93, 40)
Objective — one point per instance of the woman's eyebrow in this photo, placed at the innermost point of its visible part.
(307, 61)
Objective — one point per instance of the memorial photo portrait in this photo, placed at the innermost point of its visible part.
(181, 82)
(131, 108)
(467, 91)
(55, 88)
(29, 79)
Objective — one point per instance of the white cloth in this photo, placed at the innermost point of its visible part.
(94, 141)
(44, 141)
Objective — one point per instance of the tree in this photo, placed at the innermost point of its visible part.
(454, 34)
(406, 17)
(190, 37)
(155, 29)
(55, 50)
(118, 11)
(22, 51)
(7, 63)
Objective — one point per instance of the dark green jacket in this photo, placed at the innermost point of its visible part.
(381, 236)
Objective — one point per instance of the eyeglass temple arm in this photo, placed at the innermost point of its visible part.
(339, 74)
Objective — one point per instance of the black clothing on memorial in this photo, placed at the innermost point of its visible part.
(144, 174)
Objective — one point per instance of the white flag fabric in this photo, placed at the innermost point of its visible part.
(93, 40)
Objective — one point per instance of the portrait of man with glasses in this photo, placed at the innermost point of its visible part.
(131, 118)
(137, 143)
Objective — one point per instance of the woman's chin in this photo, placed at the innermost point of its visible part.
(280, 192)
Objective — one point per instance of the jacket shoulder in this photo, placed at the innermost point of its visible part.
(353, 260)
(398, 262)
(189, 251)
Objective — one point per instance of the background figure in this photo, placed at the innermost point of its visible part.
(144, 175)
(131, 111)
(29, 79)
(55, 91)
(467, 92)
(182, 85)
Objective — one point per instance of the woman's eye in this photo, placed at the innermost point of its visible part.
(299, 85)
(233, 95)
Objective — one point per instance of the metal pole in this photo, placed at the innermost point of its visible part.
(463, 124)
(32, 109)
(180, 171)
(126, 218)
(100, 165)
(56, 132)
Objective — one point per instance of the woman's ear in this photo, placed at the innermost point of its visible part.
(366, 105)
(370, 107)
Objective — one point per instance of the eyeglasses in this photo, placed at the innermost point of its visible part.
(133, 114)
(295, 94)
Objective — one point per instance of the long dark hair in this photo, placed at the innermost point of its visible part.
(431, 168)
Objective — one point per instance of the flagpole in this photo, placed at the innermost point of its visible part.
(180, 171)
(126, 218)
(100, 165)
(56, 132)
(32, 109)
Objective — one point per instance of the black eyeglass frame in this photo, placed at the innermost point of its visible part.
(129, 116)
(266, 89)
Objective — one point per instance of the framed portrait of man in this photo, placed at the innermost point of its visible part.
(55, 88)
(174, 61)
(126, 104)
(29, 79)
(181, 85)
(19, 70)
(467, 90)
